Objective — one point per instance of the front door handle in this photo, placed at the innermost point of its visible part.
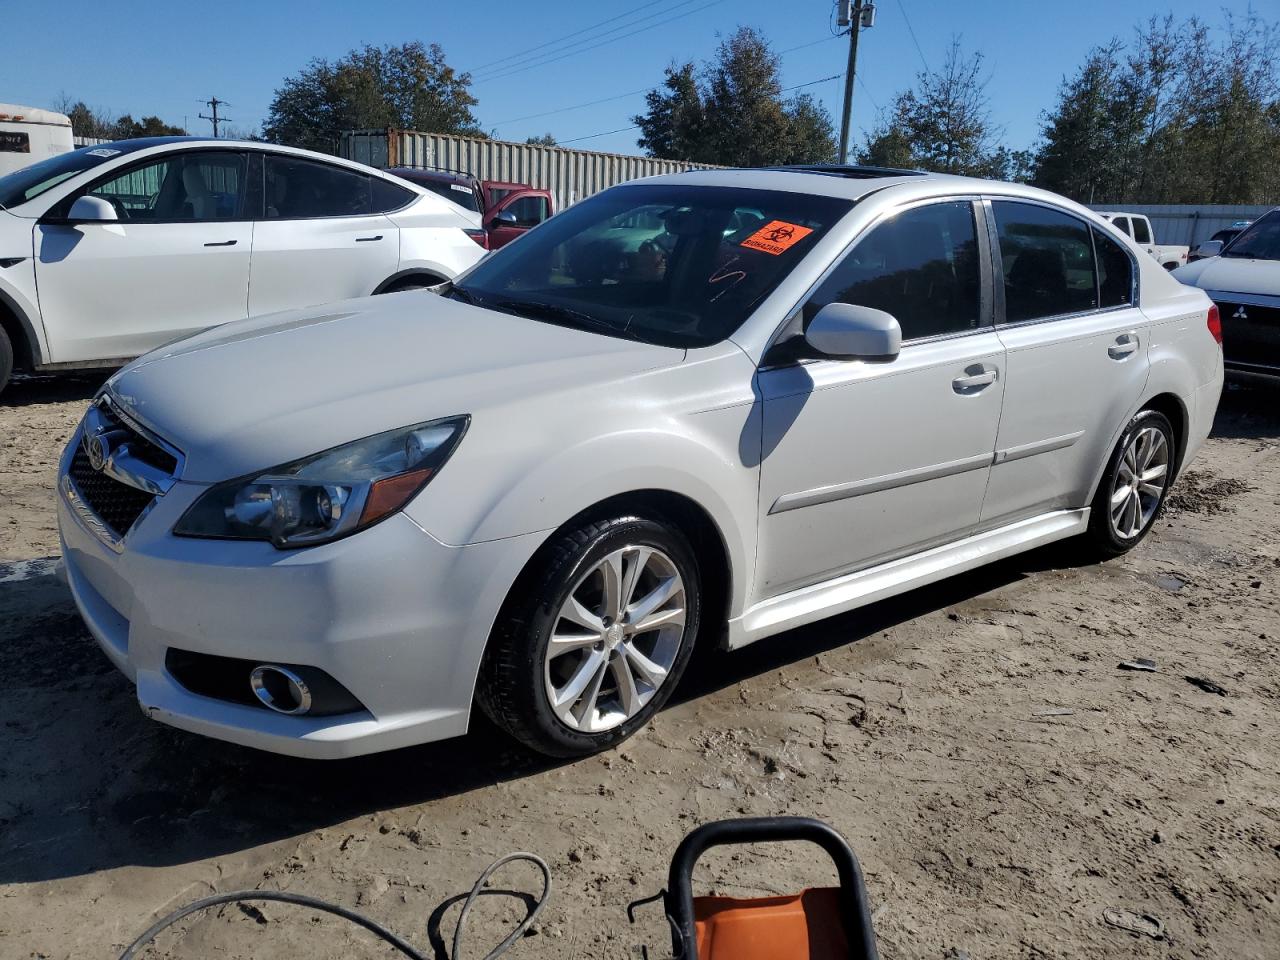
(223, 243)
(1124, 346)
(368, 239)
(976, 379)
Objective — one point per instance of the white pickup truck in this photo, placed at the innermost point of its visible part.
(1139, 227)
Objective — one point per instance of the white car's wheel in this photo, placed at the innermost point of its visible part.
(595, 638)
(1132, 492)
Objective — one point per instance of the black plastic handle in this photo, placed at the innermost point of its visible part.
(854, 908)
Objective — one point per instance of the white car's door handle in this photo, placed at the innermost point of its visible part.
(222, 243)
(368, 239)
(1126, 344)
(973, 382)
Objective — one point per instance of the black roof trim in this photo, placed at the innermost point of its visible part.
(849, 171)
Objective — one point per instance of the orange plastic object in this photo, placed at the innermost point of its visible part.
(800, 926)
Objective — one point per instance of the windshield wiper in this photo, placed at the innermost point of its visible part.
(555, 313)
(465, 296)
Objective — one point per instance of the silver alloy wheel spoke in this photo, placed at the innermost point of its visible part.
(1139, 482)
(615, 638)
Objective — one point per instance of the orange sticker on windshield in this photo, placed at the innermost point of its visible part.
(776, 237)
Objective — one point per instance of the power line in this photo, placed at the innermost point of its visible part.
(567, 36)
(512, 63)
(633, 93)
(907, 21)
(653, 26)
(636, 126)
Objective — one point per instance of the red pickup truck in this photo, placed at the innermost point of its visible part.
(506, 209)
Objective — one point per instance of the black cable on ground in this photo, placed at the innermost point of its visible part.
(302, 900)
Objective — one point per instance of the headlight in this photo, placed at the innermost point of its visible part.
(330, 495)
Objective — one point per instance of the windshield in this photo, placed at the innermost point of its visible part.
(1259, 241)
(29, 182)
(676, 265)
(462, 195)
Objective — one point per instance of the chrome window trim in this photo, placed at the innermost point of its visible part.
(987, 284)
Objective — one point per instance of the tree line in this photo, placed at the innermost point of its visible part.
(1179, 113)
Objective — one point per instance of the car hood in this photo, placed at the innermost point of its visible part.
(1233, 275)
(258, 393)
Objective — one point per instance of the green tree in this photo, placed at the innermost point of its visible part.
(732, 111)
(410, 86)
(546, 140)
(942, 124)
(128, 128)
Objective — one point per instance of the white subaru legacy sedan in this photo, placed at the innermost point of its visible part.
(703, 408)
(109, 251)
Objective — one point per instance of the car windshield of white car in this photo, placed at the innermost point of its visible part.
(29, 182)
(677, 265)
(1259, 241)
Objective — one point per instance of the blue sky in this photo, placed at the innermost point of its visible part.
(165, 58)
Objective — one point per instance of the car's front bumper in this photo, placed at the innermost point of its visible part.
(392, 614)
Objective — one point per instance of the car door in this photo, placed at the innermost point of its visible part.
(863, 461)
(1077, 357)
(523, 210)
(319, 239)
(174, 263)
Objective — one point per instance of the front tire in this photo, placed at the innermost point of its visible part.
(1132, 493)
(594, 637)
(6, 359)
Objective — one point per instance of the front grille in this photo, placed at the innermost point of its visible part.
(117, 504)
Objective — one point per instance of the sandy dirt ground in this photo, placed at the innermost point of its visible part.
(1006, 786)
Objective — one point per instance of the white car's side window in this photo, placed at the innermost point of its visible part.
(183, 187)
(922, 266)
(298, 189)
(1047, 260)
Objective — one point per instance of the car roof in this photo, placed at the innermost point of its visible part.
(854, 183)
(442, 176)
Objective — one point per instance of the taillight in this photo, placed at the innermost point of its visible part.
(479, 236)
(1215, 322)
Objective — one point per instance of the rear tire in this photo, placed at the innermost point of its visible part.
(6, 359)
(604, 676)
(1134, 487)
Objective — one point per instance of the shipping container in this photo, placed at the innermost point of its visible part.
(570, 175)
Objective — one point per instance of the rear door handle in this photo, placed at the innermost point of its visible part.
(223, 243)
(1125, 345)
(977, 378)
(368, 239)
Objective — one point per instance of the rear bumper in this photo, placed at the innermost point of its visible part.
(392, 614)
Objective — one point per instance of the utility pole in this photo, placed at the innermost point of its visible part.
(857, 16)
(214, 103)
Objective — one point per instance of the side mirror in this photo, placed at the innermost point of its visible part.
(505, 217)
(844, 331)
(1210, 248)
(92, 210)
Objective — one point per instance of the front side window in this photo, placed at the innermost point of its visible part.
(1141, 230)
(182, 187)
(677, 265)
(529, 211)
(1122, 224)
(921, 266)
(1259, 241)
(299, 189)
(1115, 272)
(1047, 259)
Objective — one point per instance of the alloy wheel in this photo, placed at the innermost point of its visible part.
(615, 639)
(1139, 485)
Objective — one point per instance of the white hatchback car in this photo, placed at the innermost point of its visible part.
(719, 404)
(137, 243)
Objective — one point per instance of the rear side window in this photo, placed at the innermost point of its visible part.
(387, 196)
(299, 189)
(1115, 272)
(921, 266)
(1141, 230)
(1047, 259)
